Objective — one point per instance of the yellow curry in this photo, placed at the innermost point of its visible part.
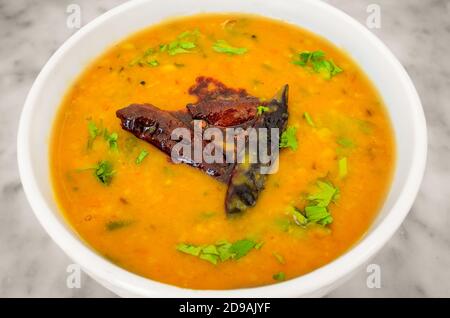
(167, 221)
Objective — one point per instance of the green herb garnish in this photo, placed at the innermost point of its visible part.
(345, 142)
(289, 138)
(343, 167)
(306, 57)
(94, 131)
(219, 252)
(222, 46)
(259, 245)
(261, 109)
(184, 43)
(316, 210)
(213, 259)
(153, 62)
(224, 249)
(309, 119)
(189, 249)
(279, 258)
(141, 156)
(210, 253)
(326, 194)
(147, 59)
(318, 214)
(241, 248)
(316, 61)
(280, 276)
(116, 225)
(178, 47)
(111, 139)
(299, 218)
(104, 172)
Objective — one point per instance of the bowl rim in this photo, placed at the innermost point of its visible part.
(111, 274)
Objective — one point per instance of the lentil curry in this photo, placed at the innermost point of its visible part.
(167, 221)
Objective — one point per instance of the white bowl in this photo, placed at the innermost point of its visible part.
(65, 65)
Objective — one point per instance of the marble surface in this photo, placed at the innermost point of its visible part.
(415, 263)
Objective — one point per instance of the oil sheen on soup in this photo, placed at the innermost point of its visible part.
(167, 221)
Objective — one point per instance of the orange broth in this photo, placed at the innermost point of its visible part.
(138, 220)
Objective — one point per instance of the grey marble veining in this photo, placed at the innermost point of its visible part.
(415, 263)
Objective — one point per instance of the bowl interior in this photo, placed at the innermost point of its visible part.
(378, 63)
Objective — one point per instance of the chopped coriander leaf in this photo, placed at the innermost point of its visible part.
(279, 258)
(224, 250)
(327, 68)
(147, 58)
(334, 68)
(141, 156)
(94, 131)
(213, 259)
(193, 35)
(111, 139)
(184, 43)
(210, 253)
(189, 249)
(308, 119)
(280, 276)
(316, 61)
(219, 252)
(210, 249)
(326, 194)
(241, 248)
(135, 61)
(306, 56)
(299, 218)
(103, 171)
(289, 138)
(148, 52)
(345, 142)
(343, 167)
(327, 220)
(318, 214)
(116, 225)
(179, 47)
(261, 109)
(221, 46)
(316, 210)
(258, 245)
(312, 214)
(152, 62)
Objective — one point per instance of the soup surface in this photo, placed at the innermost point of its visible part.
(167, 221)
